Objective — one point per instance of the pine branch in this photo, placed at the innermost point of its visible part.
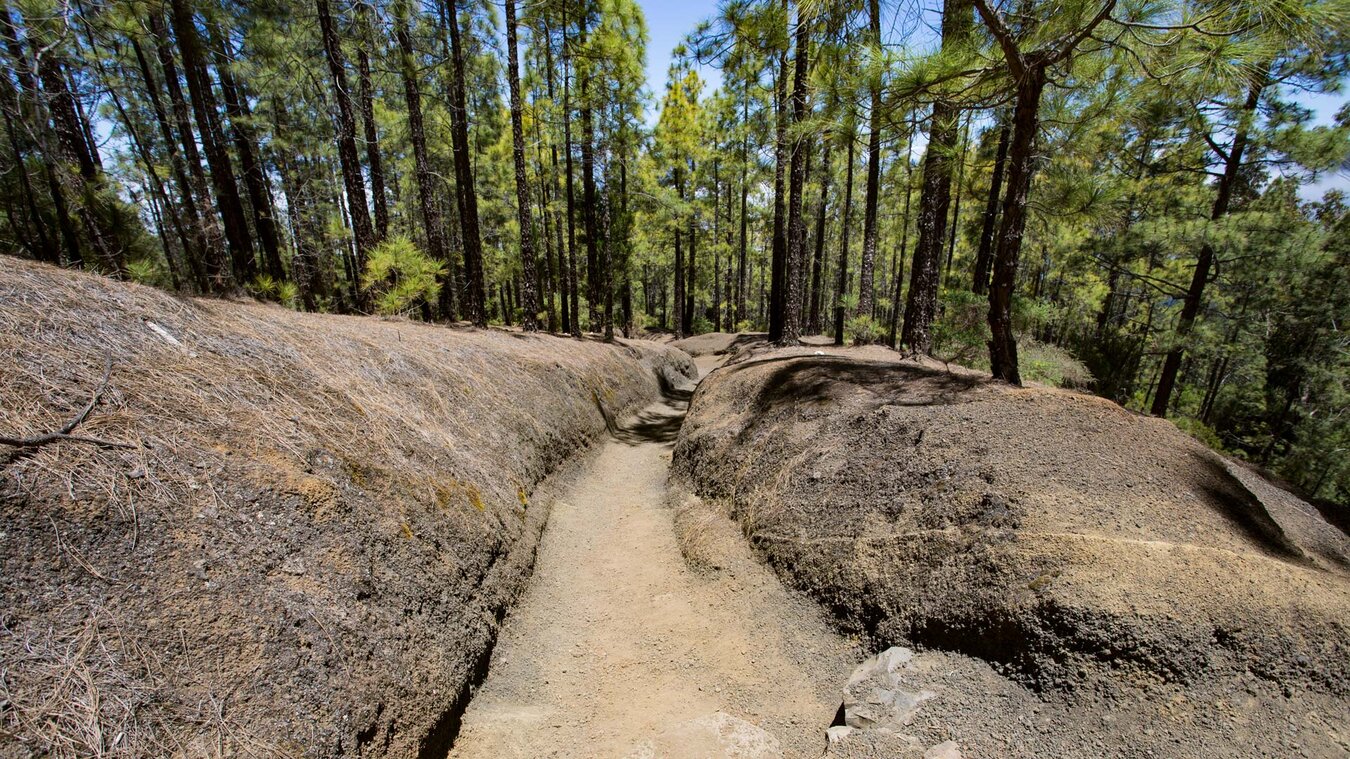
(64, 433)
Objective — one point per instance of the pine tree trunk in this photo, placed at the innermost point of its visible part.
(255, 178)
(952, 228)
(432, 225)
(214, 269)
(204, 107)
(475, 303)
(780, 247)
(867, 266)
(85, 187)
(792, 327)
(572, 284)
(717, 251)
(897, 279)
(743, 258)
(985, 255)
(1003, 345)
(841, 288)
(352, 181)
(588, 197)
(371, 129)
(813, 324)
(679, 321)
(194, 248)
(934, 199)
(1190, 308)
(690, 285)
(564, 304)
(527, 257)
(308, 265)
(18, 115)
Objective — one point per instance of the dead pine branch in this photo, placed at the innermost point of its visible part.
(64, 433)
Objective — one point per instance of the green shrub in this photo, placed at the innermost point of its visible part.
(1200, 431)
(401, 277)
(863, 330)
(961, 334)
(1051, 365)
(147, 271)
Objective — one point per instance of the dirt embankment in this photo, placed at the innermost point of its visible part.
(309, 545)
(1099, 560)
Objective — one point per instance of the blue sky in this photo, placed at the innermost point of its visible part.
(667, 25)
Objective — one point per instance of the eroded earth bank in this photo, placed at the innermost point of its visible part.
(304, 533)
(301, 535)
(1077, 580)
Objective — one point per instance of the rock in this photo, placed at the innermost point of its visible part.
(837, 733)
(876, 697)
(944, 750)
(713, 736)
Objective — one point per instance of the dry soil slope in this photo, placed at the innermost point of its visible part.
(1079, 548)
(311, 543)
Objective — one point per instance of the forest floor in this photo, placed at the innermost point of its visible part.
(619, 649)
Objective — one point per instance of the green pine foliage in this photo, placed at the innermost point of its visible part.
(402, 277)
(1135, 184)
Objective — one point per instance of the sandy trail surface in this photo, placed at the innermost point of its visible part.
(619, 649)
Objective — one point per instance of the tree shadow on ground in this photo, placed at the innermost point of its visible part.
(1225, 494)
(652, 425)
(826, 379)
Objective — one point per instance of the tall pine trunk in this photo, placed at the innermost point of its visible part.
(1025, 122)
(934, 198)
(214, 269)
(432, 225)
(255, 178)
(352, 181)
(867, 266)
(207, 114)
(841, 288)
(1190, 308)
(792, 307)
(371, 133)
(778, 265)
(527, 257)
(985, 254)
(83, 188)
(813, 324)
(679, 320)
(588, 197)
(194, 249)
(743, 258)
(572, 285)
(475, 301)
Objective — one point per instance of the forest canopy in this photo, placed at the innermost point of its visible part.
(1117, 195)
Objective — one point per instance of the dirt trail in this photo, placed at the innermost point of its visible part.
(618, 649)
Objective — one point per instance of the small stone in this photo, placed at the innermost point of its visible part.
(944, 750)
(837, 733)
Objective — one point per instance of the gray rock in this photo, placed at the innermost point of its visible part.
(837, 733)
(877, 697)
